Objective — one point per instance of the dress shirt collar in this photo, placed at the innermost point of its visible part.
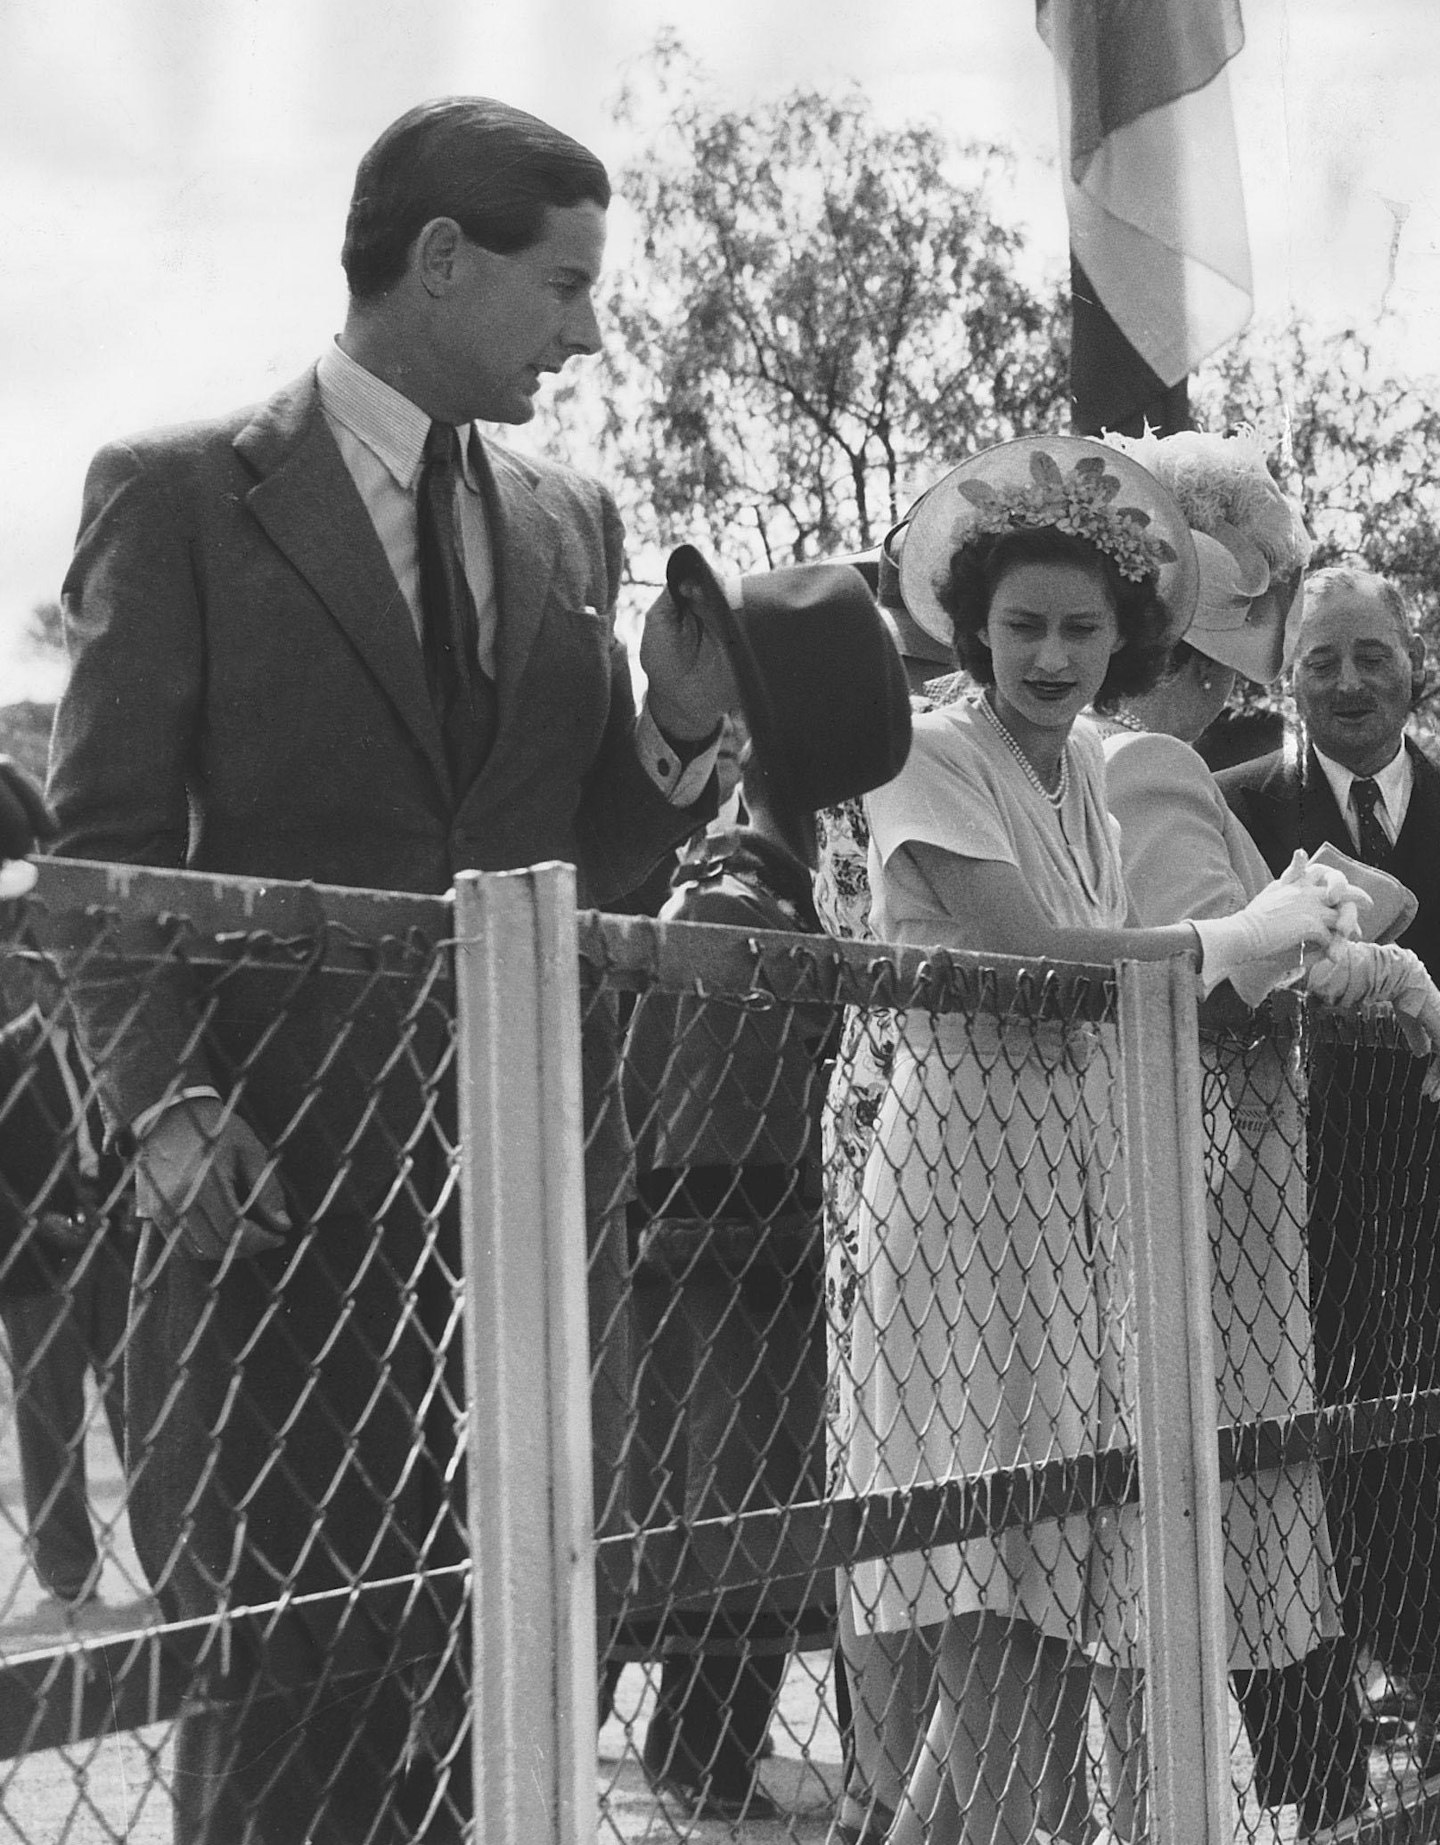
(1394, 782)
(383, 419)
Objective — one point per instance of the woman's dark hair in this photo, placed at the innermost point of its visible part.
(1174, 663)
(976, 570)
(493, 169)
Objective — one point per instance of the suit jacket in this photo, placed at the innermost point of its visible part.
(248, 695)
(1284, 804)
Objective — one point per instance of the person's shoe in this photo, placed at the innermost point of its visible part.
(1394, 1700)
(874, 1829)
(59, 1613)
(1425, 1745)
(1325, 1810)
(702, 1803)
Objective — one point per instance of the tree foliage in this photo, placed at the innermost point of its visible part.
(1358, 443)
(821, 315)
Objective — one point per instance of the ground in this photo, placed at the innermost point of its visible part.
(115, 1789)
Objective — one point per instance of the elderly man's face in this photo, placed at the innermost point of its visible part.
(1353, 678)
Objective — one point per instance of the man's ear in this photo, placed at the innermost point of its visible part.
(1418, 676)
(435, 254)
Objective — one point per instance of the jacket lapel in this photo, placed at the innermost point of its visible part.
(525, 541)
(307, 503)
(1423, 813)
(1320, 817)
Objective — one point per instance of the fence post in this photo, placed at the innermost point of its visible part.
(527, 1357)
(1177, 1414)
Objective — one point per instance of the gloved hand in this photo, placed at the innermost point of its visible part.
(1351, 973)
(1334, 882)
(204, 1177)
(1306, 903)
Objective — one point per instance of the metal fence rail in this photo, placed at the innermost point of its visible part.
(1084, 1236)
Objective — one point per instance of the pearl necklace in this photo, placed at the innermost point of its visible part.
(1055, 796)
(1125, 719)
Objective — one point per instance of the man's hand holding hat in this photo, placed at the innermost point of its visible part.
(813, 667)
(686, 663)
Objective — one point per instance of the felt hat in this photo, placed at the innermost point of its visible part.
(820, 680)
(1071, 483)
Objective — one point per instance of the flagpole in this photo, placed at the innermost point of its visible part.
(1111, 386)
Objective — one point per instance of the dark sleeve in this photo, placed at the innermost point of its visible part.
(122, 750)
(625, 823)
(1257, 817)
(125, 727)
(15, 1145)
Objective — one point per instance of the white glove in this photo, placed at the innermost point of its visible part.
(1353, 972)
(1341, 892)
(17, 876)
(1306, 903)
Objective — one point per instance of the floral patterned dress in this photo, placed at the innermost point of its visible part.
(861, 1077)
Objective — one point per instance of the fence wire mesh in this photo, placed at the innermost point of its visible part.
(864, 1349)
(933, 1179)
(232, 1510)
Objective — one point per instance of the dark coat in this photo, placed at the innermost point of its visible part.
(1284, 804)
(725, 1096)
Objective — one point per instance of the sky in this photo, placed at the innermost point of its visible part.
(174, 176)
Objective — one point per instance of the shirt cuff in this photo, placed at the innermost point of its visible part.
(147, 1117)
(680, 779)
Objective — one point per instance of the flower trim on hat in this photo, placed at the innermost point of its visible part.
(1079, 503)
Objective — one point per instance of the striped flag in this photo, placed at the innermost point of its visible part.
(1159, 257)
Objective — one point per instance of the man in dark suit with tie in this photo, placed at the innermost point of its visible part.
(1375, 1189)
(342, 637)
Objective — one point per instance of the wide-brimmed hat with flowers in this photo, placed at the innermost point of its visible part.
(1072, 484)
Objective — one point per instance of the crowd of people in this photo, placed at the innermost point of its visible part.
(345, 637)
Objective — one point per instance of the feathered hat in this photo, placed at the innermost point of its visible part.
(1250, 539)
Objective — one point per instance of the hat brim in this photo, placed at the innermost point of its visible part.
(1240, 630)
(882, 575)
(695, 588)
(944, 520)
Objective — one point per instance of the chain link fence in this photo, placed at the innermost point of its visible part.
(908, 1327)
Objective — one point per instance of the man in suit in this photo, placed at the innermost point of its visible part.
(342, 637)
(1374, 1233)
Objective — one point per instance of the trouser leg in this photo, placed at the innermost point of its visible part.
(49, 1358)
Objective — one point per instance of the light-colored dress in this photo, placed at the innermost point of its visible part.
(994, 1291)
(1186, 855)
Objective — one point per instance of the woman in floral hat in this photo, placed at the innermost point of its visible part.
(991, 1329)
(1185, 853)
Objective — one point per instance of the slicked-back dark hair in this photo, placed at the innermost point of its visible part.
(493, 169)
(975, 573)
